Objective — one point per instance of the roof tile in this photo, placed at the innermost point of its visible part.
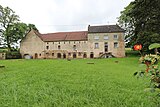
(105, 29)
(65, 36)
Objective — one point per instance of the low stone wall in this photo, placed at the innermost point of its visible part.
(2, 55)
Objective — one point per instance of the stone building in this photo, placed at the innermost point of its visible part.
(2, 55)
(96, 42)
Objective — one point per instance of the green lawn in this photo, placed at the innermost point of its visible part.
(62, 83)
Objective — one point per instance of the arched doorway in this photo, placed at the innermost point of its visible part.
(64, 55)
(91, 55)
(74, 55)
(58, 55)
(36, 56)
(84, 55)
(27, 56)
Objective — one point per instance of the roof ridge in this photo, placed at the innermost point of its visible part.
(64, 32)
(102, 25)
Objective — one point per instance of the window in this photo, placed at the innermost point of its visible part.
(47, 47)
(105, 37)
(106, 47)
(59, 47)
(69, 54)
(79, 42)
(115, 44)
(47, 43)
(96, 37)
(96, 46)
(64, 42)
(59, 42)
(69, 42)
(53, 42)
(74, 47)
(115, 36)
(74, 42)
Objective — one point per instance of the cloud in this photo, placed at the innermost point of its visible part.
(66, 15)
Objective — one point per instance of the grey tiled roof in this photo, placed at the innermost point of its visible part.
(105, 29)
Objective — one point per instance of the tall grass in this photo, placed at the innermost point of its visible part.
(62, 83)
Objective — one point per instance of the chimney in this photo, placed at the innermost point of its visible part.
(88, 27)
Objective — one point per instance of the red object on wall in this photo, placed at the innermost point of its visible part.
(137, 47)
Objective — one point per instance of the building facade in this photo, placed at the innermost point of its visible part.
(94, 43)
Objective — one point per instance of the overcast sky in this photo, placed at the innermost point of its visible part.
(66, 15)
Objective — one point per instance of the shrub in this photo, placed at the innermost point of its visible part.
(13, 55)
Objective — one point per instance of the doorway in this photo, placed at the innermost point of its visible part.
(58, 55)
(106, 47)
(74, 55)
(64, 55)
(91, 55)
(36, 56)
(84, 55)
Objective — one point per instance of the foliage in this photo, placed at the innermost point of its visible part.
(126, 22)
(153, 59)
(11, 29)
(13, 55)
(141, 19)
(152, 69)
(62, 83)
(131, 53)
(154, 45)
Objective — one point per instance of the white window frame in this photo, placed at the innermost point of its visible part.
(96, 37)
(106, 37)
(96, 45)
(116, 46)
(115, 37)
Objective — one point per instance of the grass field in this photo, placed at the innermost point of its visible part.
(62, 83)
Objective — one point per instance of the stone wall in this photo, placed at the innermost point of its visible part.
(116, 51)
(33, 45)
(2, 55)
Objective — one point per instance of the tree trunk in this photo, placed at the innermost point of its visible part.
(8, 43)
(9, 47)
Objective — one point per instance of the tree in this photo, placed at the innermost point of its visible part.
(11, 29)
(126, 22)
(7, 19)
(143, 17)
(17, 31)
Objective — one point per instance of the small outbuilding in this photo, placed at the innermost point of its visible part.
(2, 55)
